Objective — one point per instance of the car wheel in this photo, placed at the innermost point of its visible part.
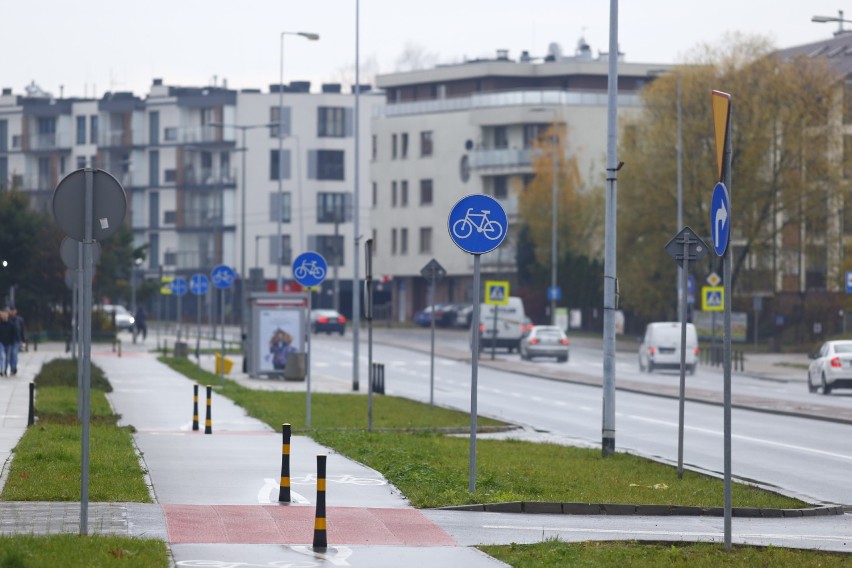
(811, 387)
(691, 369)
(826, 389)
(341, 332)
(650, 367)
(562, 359)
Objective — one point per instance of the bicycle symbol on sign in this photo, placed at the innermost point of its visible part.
(309, 269)
(463, 228)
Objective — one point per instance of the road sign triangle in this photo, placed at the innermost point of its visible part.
(497, 293)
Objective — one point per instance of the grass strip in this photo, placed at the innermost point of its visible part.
(47, 463)
(432, 469)
(72, 551)
(637, 554)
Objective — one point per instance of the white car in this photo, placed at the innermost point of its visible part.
(544, 341)
(831, 367)
(123, 318)
(660, 347)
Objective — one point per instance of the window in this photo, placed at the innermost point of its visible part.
(334, 122)
(81, 130)
(329, 246)
(4, 173)
(393, 146)
(286, 248)
(46, 132)
(333, 207)
(404, 145)
(425, 240)
(44, 173)
(393, 241)
(170, 258)
(169, 217)
(81, 162)
(501, 187)
(154, 128)
(276, 165)
(326, 165)
(425, 192)
(153, 168)
(4, 136)
(393, 194)
(426, 143)
(501, 137)
(403, 241)
(283, 207)
(154, 209)
(284, 123)
(532, 132)
(94, 161)
(403, 193)
(170, 134)
(154, 251)
(93, 129)
(375, 194)
(170, 175)
(374, 147)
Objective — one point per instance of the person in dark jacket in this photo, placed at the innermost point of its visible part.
(20, 339)
(7, 339)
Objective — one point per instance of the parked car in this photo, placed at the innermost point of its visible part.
(660, 347)
(502, 326)
(327, 321)
(119, 314)
(544, 341)
(464, 315)
(831, 367)
(444, 315)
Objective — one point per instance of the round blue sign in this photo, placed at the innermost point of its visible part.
(477, 224)
(199, 284)
(223, 276)
(179, 287)
(720, 218)
(309, 269)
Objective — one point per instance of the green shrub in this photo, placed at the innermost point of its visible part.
(63, 372)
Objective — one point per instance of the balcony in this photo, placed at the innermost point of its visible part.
(199, 219)
(48, 142)
(120, 138)
(207, 177)
(505, 159)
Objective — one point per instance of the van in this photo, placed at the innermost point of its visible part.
(660, 347)
(502, 326)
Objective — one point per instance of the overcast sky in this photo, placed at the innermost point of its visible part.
(93, 46)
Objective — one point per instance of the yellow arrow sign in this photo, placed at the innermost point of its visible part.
(721, 125)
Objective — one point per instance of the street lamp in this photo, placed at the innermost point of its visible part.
(839, 19)
(311, 37)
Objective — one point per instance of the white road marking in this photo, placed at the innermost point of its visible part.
(270, 486)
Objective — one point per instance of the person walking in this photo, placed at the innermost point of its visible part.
(7, 338)
(139, 322)
(20, 339)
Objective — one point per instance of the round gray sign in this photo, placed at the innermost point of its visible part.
(109, 205)
(70, 278)
(68, 253)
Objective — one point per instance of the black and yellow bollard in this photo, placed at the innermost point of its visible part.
(284, 490)
(195, 408)
(31, 412)
(320, 538)
(208, 423)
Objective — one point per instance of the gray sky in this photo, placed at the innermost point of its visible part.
(92, 46)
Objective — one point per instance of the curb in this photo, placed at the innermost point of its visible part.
(536, 507)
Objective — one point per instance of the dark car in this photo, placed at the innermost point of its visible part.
(327, 321)
(444, 316)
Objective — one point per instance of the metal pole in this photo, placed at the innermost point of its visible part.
(681, 286)
(222, 325)
(308, 363)
(243, 275)
(368, 268)
(86, 355)
(280, 207)
(356, 227)
(78, 328)
(432, 350)
(608, 426)
(178, 316)
(133, 296)
(684, 271)
(474, 369)
(553, 229)
(335, 304)
(728, 278)
(198, 329)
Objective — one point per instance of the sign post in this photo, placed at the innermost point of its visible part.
(720, 226)
(198, 285)
(477, 225)
(685, 246)
(368, 306)
(432, 272)
(223, 277)
(179, 289)
(496, 294)
(309, 270)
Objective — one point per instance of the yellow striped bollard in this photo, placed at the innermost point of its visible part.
(284, 490)
(195, 408)
(320, 538)
(208, 423)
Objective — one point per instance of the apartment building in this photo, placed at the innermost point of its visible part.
(469, 128)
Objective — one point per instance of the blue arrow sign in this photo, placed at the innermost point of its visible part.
(223, 276)
(179, 286)
(720, 218)
(554, 293)
(199, 284)
(477, 224)
(309, 269)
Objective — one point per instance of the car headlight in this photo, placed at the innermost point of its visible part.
(132, 320)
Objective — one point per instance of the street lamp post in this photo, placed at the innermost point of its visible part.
(839, 19)
(312, 37)
(137, 262)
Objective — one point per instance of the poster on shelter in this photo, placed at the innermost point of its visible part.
(280, 335)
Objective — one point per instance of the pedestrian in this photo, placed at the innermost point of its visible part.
(20, 338)
(139, 322)
(7, 338)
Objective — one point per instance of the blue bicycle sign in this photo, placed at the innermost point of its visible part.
(199, 284)
(179, 287)
(309, 269)
(223, 276)
(477, 224)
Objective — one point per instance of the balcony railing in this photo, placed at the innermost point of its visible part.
(49, 141)
(503, 158)
(121, 137)
(199, 218)
(208, 177)
(512, 98)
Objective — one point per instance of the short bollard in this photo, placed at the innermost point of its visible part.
(31, 413)
(195, 408)
(284, 490)
(119, 348)
(320, 538)
(208, 423)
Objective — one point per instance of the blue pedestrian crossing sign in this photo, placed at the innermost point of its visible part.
(713, 298)
(199, 284)
(496, 292)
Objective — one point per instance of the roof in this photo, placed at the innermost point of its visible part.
(837, 51)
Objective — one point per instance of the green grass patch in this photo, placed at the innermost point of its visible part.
(431, 469)
(47, 462)
(73, 551)
(554, 553)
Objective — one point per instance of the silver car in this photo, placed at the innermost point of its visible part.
(831, 367)
(544, 341)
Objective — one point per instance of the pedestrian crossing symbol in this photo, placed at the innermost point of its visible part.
(497, 292)
(713, 298)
